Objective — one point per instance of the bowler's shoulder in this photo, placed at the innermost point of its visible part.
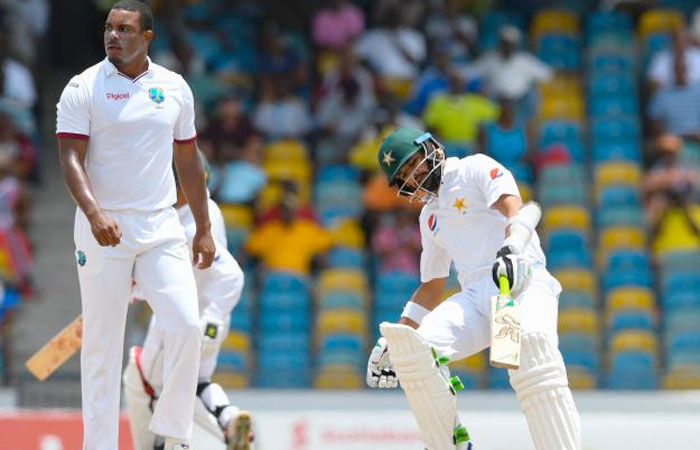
(166, 74)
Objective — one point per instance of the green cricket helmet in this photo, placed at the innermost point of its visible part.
(398, 148)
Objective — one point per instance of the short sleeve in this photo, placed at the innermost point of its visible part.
(73, 110)
(492, 178)
(184, 127)
(539, 70)
(434, 260)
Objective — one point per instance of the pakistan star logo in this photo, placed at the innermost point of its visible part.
(510, 328)
(388, 158)
(460, 205)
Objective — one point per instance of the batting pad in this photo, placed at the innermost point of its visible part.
(138, 404)
(545, 398)
(426, 387)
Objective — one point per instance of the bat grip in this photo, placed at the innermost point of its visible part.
(503, 285)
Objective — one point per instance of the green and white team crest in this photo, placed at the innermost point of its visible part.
(80, 258)
(398, 148)
(156, 94)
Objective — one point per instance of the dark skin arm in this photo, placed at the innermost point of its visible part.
(72, 158)
(428, 295)
(190, 174)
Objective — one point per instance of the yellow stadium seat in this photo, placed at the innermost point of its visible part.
(562, 107)
(615, 173)
(236, 341)
(576, 217)
(634, 340)
(579, 280)
(339, 378)
(348, 233)
(286, 150)
(474, 363)
(578, 321)
(400, 87)
(269, 195)
(622, 237)
(580, 379)
(682, 377)
(231, 380)
(342, 321)
(554, 21)
(353, 280)
(659, 21)
(525, 191)
(238, 216)
(286, 170)
(630, 298)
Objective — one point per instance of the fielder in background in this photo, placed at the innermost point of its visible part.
(218, 290)
(120, 124)
(472, 215)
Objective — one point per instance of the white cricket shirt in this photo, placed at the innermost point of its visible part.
(460, 225)
(131, 125)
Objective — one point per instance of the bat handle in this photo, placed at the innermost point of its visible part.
(503, 285)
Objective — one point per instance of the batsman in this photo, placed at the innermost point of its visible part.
(472, 216)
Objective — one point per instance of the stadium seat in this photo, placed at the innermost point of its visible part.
(618, 197)
(284, 282)
(554, 21)
(286, 150)
(283, 301)
(685, 378)
(659, 21)
(229, 361)
(577, 257)
(585, 359)
(283, 341)
(621, 237)
(631, 320)
(295, 320)
(576, 300)
(579, 280)
(634, 340)
(616, 278)
(562, 194)
(612, 216)
(240, 216)
(628, 259)
(682, 320)
(341, 321)
(350, 280)
(578, 321)
(611, 63)
(347, 233)
(338, 378)
(345, 257)
(342, 300)
(575, 217)
(557, 131)
(679, 260)
(615, 173)
(630, 298)
(581, 378)
(236, 341)
(617, 150)
(620, 128)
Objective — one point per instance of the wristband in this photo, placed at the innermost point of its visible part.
(415, 312)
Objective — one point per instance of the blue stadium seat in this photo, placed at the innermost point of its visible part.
(287, 379)
(397, 282)
(633, 370)
(631, 320)
(619, 196)
(562, 194)
(498, 379)
(345, 257)
(232, 362)
(683, 341)
(615, 105)
(682, 320)
(678, 299)
(612, 84)
(342, 341)
(241, 321)
(284, 321)
(341, 300)
(389, 300)
(282, 341)
(615, 128)
(337, 173)
(617, 150)
(579, 341)
(618, 277)
(588, 359)
(284, 281)
(616, 215)
(565, 239)
(470, 380)
(628, 259)
(612, 63)
(345, 357)
(679, 260)
(681, 280)
(600, 21)
(576, 300)
(561, 51)
(575, 257)
(282, 300)
(274, 360)
(559, 130)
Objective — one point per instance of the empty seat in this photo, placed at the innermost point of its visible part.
(631, 320)
(580, 280)
(630, 297)
(578, 321)
(634, 340)
(565, 216)
(614, 173)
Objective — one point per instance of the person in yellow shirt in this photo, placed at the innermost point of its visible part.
(455, 115)
(289, 243)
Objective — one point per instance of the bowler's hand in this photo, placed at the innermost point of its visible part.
(105, 229)
(203, 245)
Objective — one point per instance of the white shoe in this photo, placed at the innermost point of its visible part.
(176, 444)
(238, 431)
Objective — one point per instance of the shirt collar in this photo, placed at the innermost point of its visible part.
(447, 183)
(110, 69)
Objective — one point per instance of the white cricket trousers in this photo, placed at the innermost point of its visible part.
(218, 289)
(152, 251)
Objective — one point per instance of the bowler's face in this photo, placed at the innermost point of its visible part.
(123, 38)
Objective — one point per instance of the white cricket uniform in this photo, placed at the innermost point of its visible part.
(131, 125)
(219, 289)
(461, 226)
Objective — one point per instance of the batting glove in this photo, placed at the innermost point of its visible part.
(380, 372)
(516, 268)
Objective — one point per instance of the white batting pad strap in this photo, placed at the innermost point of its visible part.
(545, 398)
(428, 393)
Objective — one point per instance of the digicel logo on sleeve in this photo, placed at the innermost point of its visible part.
(495, 173)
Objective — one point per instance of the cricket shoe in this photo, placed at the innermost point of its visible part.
(176, 444)
(239, 431)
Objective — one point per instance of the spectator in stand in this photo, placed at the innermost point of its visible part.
(396, 241)
(675, 109)
(409, 13)
(347, 68)
(289, 243)
(280, 113)
(457, 32)
(230, 136)
(279, 61)
(289, 194)
(507, 140)
(392, 50)
(511, 72)
(671, 198)
(343, 114)
(28, 21)
(455, 115)
(662, 70)
(17, 81)
(336, 24)
(433, 80)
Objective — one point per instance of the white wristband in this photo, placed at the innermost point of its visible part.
(415, 312)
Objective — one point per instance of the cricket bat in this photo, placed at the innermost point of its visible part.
(57, 351)
(505, 328)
